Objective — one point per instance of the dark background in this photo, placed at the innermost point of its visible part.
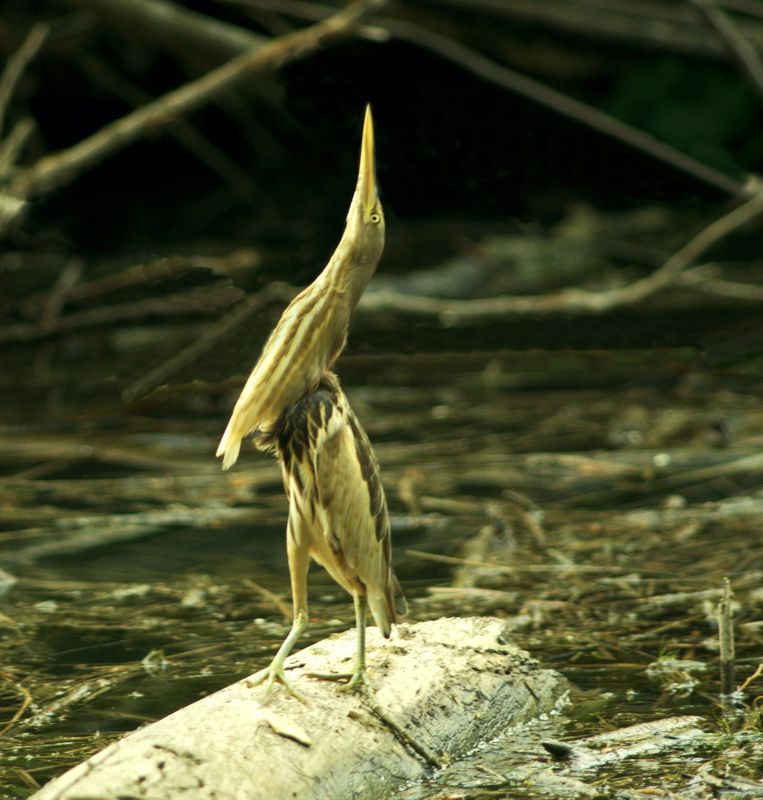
(450, 145)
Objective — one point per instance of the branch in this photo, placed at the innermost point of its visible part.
(174, 26)
(13, 144)
(448, 312)
(440, 687)
(565, 105)
(56, 170)
(535, 91)
(739, 48)
(16, 65)
(204, 300)
(186, 134)
(667, 27)
(571, 300)
(653, 25)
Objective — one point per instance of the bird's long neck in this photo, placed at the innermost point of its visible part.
(351, 268)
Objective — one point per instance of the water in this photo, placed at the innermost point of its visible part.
(598, 521)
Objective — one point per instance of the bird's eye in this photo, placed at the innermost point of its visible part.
(375, 217)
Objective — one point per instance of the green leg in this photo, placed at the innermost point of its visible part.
(359, 676)
(275, 672)
(299, 557)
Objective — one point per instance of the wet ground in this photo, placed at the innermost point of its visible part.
(594, 501)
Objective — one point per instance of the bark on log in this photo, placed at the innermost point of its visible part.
(441, 687)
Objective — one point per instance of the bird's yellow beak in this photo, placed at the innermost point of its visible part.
(367, 173)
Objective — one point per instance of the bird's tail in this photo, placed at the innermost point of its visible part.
(386, 609)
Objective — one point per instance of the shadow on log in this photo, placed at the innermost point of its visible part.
(441, 688)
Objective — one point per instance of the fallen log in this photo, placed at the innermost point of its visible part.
(441, 687)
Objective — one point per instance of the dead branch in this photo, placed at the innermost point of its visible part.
(649, 24)
(585, 569)
(572, 300)
(441, 688)
(200, 301)
(186, 134)
(733, 290)
(54, 171)
(643, 739)
(13, 144)
(740, 49)
(16, 65)
(565, 105)
(140, 275)
(478, 64)
(174, 26)
(749, 7)
(26, 701)
(160, 375)
(101, 530)
(380, 307)
(271, 597)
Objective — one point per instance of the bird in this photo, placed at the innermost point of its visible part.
(295, 408)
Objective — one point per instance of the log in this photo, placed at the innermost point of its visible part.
(441, 687)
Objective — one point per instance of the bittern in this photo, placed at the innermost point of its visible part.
(294, 406)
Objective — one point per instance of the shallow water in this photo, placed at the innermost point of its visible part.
(597, 517)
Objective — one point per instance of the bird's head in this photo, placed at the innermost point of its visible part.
(363, 238)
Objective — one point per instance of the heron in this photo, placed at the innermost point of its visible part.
(294, 407)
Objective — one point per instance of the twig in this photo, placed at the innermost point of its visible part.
(238, 316)
(26, 701)
(186, 134)
(707, 237)
(174, 26)
(726, 640)
(660, 25)
(108, 529)
(271, 597)
(54, 171)
(543, 95)
(655, 25)
(512, 568)
(743, 292)
(142, 274)
(750, 7)
(755, 675)
(16, 65)
(571, 300)
(401, 734)
(644, 738)
(13, 144)
(56, 298)
(29, 781)
(565, 105)
(201, 301)
(740, 49)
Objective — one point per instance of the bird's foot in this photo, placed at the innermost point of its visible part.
(356, 681)
(272, 675)
(359, 682)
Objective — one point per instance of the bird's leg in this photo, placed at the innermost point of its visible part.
(359, 676)
(275, 672)
(299, 558)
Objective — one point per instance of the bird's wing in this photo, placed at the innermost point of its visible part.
(354, 509)
(309, 336)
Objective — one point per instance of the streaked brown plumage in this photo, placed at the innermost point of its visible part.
(337, 507)
(313, 329)
(295, 407)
